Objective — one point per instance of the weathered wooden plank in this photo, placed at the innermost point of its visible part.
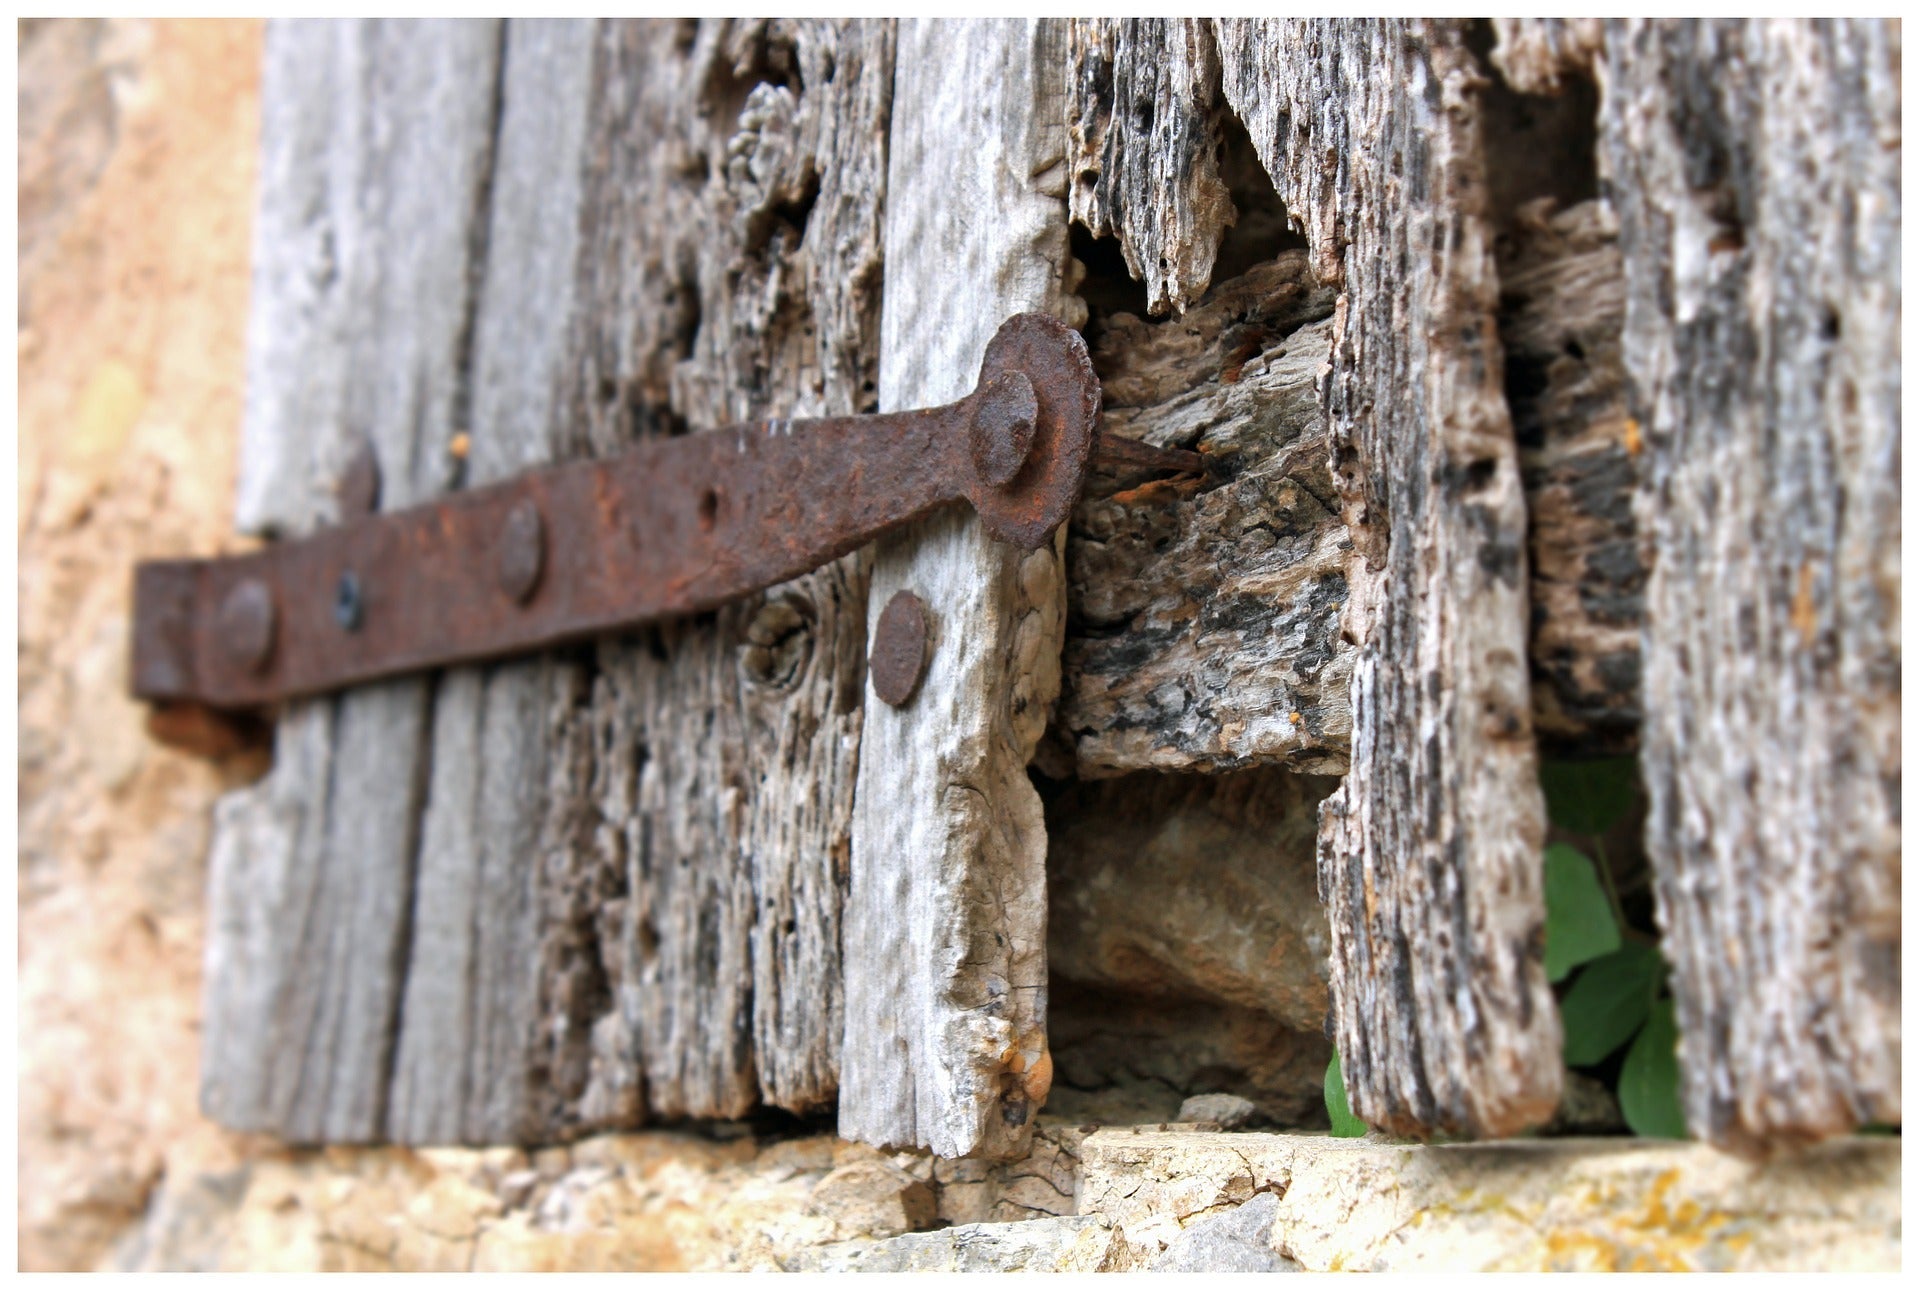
(1755, 169)
(377, 144)
(1430, 849)
(946, 911)
(729, 270)
(468, 1062)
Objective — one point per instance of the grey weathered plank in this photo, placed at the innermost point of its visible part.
(377, 145)
(1755, 168)
(946, 911)
(1430, 848)
(466, 1054)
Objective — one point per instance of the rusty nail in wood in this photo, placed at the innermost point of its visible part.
(523, 550)
(898, 659)
(359, 488)
(246, 625)
(1002, 432)
(349, 606)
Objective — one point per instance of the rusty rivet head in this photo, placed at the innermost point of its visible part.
(358, 490)
(897, 659)
(523, 550)
(1002, 430)
(246, 625)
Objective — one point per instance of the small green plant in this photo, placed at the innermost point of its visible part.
(1345, 1124)
(1620, 995)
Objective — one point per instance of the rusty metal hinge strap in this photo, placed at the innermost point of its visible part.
(671, 527)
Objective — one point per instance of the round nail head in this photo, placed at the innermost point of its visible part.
(523, 551)
(246, 625)
(1002, 431)
(898, 657)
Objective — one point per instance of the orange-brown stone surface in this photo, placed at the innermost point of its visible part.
(137, 160)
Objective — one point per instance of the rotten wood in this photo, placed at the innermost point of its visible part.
(1429, 850)
(946, 912)
(1755, 172)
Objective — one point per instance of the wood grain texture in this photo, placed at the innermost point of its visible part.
(376, 155)
(1429, 853)
(1755, 172)
(945, 926)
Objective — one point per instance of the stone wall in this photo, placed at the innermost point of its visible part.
(137, 162)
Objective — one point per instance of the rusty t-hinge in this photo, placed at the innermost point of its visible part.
(671, 527)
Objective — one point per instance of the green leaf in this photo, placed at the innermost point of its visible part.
(1587, 797)
(1610, 999)
(1345, 1124)
(1650, 1079)
(1580, 923)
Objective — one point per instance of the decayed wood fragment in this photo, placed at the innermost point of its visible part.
(1144, 148)
(1755, 171)
(1430, 849)
(946, 913)
(1205, 614)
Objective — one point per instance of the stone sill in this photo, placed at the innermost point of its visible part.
(1585, 1204)
(1149, 1197)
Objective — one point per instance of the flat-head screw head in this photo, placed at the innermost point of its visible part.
(245, 625)
(1001, 437)
(897, 660)
(523, 551)
(349, 604)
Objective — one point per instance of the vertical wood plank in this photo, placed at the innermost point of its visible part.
(1430, 849)
(377, 154)
(945, 927)
(730, 271)
(468, 1062)
(1755, 169)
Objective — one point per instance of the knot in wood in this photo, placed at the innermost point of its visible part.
(897, 659)
(779, 644)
